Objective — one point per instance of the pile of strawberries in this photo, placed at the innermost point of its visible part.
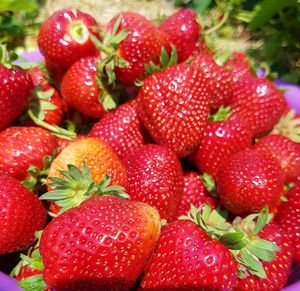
(132, 159)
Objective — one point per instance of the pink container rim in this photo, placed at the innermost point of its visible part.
(292, 96)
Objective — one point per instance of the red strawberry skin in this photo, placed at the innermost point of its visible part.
(15, 92)
(59, 42)
(104, 244)
(21, 215)
(276, 270)
(288, 216)
(80, 90)
(285, 151)
(155, 177)
(261, 103)
(121, 129)
(248, 180)
(22, 147)
(173, 106)
(142, 45)
(183, 32)
(187, 259)
(194, 193)
(238, 65)
(218, 79)
(219, 141)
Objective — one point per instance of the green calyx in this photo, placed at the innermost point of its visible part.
(106, 77)
(37, 177)
(165, 61)
(77, 185)
(209, 184)
(6, 58)
(289, 126)
(33, 260)
(240, 237)
(222, 114)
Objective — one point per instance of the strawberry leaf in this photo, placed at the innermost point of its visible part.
(34, 283)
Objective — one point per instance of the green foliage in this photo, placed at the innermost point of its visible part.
(274, 23)
(17, 19)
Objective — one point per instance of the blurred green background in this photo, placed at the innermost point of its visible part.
(268, 30)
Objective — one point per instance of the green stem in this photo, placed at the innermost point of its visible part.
(55, 130)
(213, 29)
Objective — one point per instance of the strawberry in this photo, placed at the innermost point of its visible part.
(285, 151)
(186, 258)
(103, 244)
(142, 45)
(183, 32)
(276, 270)
(223, 136)
(98, 162)
(288, 216)
(80, 90)
(47, 103)
(218, 80)
(194, 192)
(173, 106)
(121, 129)
(22, 147)
(161, 184)
(248, 180)
(261, 103)
(13, 99)
(238, 65)
(22, 215)
(65, 37)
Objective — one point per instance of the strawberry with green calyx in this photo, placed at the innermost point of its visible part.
(285, 151)
(186, 258)
(15, 89)
(289, 126)
(248, 180)
(103, 244)
(174, 105)
(46, 103)
(142, 45)
(224, 135)
(259, 246)
(77, 185)
(183, 31)
(23, 147)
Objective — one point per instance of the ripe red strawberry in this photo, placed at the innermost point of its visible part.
(173, 105)
(64, 37)
(186, 258)
(261, 103)
(288, 216)
(47, 104)
(220, 140)
(142, 45)
(22, 214)
(15, 92)
(103, 244)
(276, 270)
(80, 90)
(121, 129)
(238, 65)
(218, 80)
(155, 177)
(285, 151)
(22, 147)
(183, 32)
(248, 180)
(194, 193)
